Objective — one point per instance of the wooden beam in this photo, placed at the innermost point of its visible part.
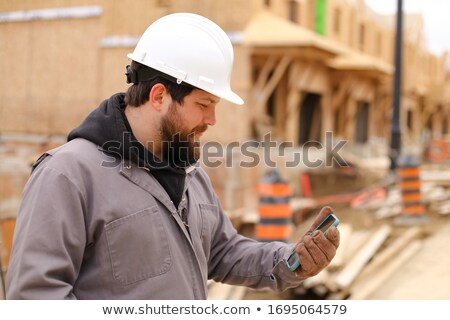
(218, 291)
(386, 107)
(327, 113)
(346, 277)
(304, 77)
(341, 124)
(366, 289)
(345, 231)
(263, 75)
(269, 87)
(314, 132)
(280, 109)
(350, 113)
(366, 92)
(295, 72)
(343, 92)
(430, 109)
(357, 240)
(293, 105)
(320, 279)
(293, 115)
(388, 254)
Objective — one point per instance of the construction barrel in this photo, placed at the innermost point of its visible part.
(408, 172)
(6, 237)
(275, 212)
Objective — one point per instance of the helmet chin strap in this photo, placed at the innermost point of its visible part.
(146, 74)
(131, 76)
(134, 76)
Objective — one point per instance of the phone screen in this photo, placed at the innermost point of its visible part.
(292, 259)
(328, 222)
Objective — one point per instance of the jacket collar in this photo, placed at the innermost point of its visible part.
(140, 177)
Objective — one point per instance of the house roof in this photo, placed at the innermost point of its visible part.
(357, 61)
(269, 30)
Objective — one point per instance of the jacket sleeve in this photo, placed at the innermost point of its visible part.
(49, 238)
(238, 260)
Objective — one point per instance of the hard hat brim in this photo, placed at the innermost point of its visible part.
(233, 98)
(227, 95)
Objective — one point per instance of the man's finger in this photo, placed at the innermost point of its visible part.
(333, 235)
(322, 215)
(318, 254)
(307, 265)
(327, 247)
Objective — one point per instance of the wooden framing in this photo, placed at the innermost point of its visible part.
(264, 92)
(291, 50)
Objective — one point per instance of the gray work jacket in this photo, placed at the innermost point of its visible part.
(94, 227)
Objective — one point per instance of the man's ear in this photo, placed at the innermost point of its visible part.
(157, 95)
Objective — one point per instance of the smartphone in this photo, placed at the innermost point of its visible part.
(293, 262)
(330, 220)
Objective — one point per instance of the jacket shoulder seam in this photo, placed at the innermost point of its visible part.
(66, 177)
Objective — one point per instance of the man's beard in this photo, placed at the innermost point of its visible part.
(179, 147)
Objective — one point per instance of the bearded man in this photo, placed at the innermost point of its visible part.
(123, 211)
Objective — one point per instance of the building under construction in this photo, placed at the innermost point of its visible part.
(303, 67)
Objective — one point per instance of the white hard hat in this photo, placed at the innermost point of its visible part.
(191, 49)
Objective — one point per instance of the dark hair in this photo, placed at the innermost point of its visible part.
(138, 93)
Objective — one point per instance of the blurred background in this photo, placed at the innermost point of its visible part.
(304, 68)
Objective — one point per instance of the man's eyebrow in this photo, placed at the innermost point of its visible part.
(211, 100)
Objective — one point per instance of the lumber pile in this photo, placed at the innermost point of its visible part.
(384, 198)
(440, 176)
(435, 197)
(365, 260)
(438, 198)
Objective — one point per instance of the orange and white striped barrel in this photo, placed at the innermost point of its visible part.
(275, 212)
(6, 237)
(408, 172)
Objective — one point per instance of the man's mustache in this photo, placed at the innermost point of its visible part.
(200, 129)
(179, 136)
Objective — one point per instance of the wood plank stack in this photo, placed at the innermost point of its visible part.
(435, 197)
(438, 198)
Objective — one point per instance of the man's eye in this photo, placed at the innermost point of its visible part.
(204, 106)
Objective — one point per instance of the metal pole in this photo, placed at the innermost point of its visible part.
(395, 128)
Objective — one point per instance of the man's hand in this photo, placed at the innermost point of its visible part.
(317, 250)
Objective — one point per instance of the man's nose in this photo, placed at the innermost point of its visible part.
(210, 116)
